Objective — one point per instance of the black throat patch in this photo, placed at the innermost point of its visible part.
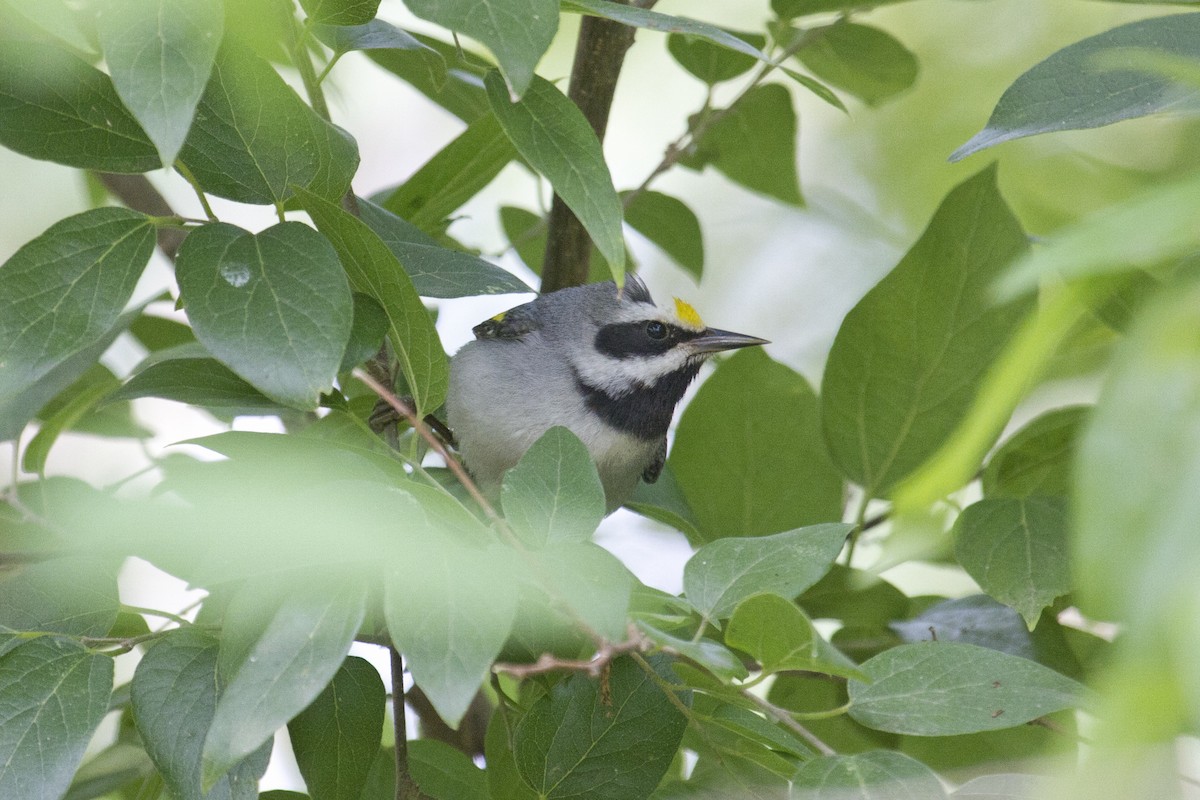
(644, 412)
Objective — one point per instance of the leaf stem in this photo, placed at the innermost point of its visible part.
(788, 720)
(191, 179)
(860, 517)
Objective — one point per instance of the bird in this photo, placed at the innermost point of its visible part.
(604, 362)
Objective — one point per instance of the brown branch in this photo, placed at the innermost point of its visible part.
(599, 54)
(406, 786)
(636, 643)
(136, 192)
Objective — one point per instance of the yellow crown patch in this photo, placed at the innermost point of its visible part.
(687, 315)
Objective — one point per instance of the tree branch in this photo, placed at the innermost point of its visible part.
(136, 192)
(406, 787)
(599, 54)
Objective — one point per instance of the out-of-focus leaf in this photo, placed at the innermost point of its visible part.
(816, 87)
(788, 9)
(60, 295)
(1080, 86)
(374, 271)
(779, 636)
(374, 35)
(754, 424)
(754, 144)
(57, 107)
(1016, 550)
(275, 306)
(340, 12)
(160, 54)
(947, 688)
(117, 766)
(876, 775)
(864, 61)
(516, 31)
(723, 573)
(625, 734)
(663, 501)
(669, 223)
(337, 738)
(553, 494)
(1003, 786)
(83, 400)
(855, 597)
(551, 133)
(1037, 459)
(710, 62)
(71, 595)
(910, 356)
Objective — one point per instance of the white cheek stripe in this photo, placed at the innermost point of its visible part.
(617, 376)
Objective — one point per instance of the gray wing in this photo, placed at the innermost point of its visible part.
(511, 324)
(654, 468)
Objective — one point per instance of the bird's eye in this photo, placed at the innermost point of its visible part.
(656, 330)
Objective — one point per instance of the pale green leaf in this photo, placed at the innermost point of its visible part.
(874, 775)
(777, 634)
(72, 595)
(1037, 459)
(669, 223)
(553, 494)
(340, 12)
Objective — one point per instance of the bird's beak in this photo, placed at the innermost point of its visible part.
(714, 341)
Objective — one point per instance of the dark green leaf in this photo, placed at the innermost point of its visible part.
(160, 54)
(337, 738)
(502, 776)
(1016, 550)
(554, 494)
(655, 21)
(866, 62)
(670, 224)
(234, 149)
(516, 31)
(947, 688)
(876, 775)
(62, 293)
(374, 35)
(115, 420)
(115, 767)
(56, 107)
(713, 656)
(453, 176)
(778, 635)
(436, 271)
(911, 354)
(446, 773)
(1081, 85)
(340, 12)
(723, 573)
(753, 144)
(53, 694)
(1037, 458)
(374, 271)
(621, 740)
(288, 665)
(202, 382)
(83, 399)
(174, 694)
(449, 609)
(366, 333)
(710, 62)
(663, 501)
(754, 425)
(448, 76)
(551, 133)
(159, 333)
(855, 597)
(274, 306)
(72, 595)
(809, 693)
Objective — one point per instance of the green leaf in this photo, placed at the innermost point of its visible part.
(367, 332)
(723, 573)
(1081, 85)
(274, 306)
(910, 356)
(340, 12)
(714, 63)
(337, 738)
(159, 333)
(713, 656)
(56, 107)
(58, 18)
(618, 743)
(788, 9)
(62, 293)
(72, 595)
(855, 597)
(502, 776)
(173, 695)
(436, 271)
(816, 87)
(517, 32)
(53, 695)
(374, 35)
(110, 420)
(160, 54)
(1003, 786)
(778, 635)
(875, 775)
(1147, 230)
(947, 688)
(1016, 550)
(753, 144)
(246, 112)
(374, 271)
(1135, 502)
(109, 770)
(448, 76)
(449, 610)
(551, 133)
(655, 21)
(573, 583)
(663, 501)
(864, 61)
(754, 425)
(445, 773)
(528, 233)
(454, 175)
(1037, 459)
(82, 401)
(203, 382)
(553, 494)
(669, 223)
(287, 666)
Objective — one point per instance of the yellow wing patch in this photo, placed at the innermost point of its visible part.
(687, 315)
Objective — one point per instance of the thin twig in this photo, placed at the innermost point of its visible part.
(406, 787)
(136, 192)
(546, 663)
(785, 718)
